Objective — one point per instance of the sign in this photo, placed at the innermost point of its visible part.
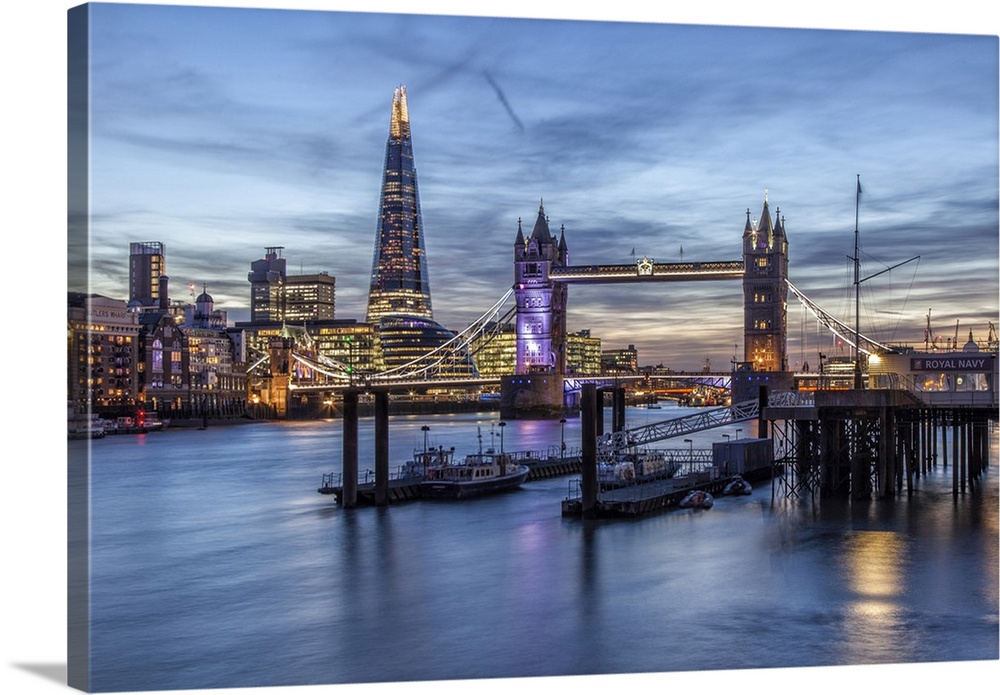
(952, 363)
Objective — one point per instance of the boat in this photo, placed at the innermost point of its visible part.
(424, 459)
(478, 474)
(653, 406)
(85, 427)
(697, 499)
(737, 486)
(636, 467)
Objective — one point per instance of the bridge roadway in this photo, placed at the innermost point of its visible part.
(373, 382)
(645, 270)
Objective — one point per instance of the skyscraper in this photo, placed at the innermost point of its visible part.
(399, 297)
(267, 279)
(399, 281)
(146, 265)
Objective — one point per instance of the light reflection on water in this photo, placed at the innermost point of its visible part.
(217, 564)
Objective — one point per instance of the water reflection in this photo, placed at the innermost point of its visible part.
(873, 564)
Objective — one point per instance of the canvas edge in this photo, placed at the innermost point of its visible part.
(78, 271)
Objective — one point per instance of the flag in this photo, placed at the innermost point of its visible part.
(859, 185)
(633, 250)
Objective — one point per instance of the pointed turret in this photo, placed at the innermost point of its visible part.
(540, 232)
(765, 227)
(519, 241)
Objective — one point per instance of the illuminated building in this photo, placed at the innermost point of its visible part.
(309, 297)
(277, 296)
(146, 265)
(406, 339)
(624, 361)
(583, 354)
(496, 356)
(399, 281)
(218, 384)
(765, 293)
(103, 345)
(267, 277)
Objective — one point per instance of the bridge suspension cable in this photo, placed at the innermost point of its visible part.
(865, 344)
(483, 328)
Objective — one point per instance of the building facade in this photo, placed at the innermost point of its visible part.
(623, 361)
(309, 297)
(267, 279)
(103, 352)
(583, 354)
(147, 263)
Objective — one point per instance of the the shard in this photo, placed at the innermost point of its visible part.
(399, 281)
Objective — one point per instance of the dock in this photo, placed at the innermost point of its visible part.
(406, 489)
(658, 495)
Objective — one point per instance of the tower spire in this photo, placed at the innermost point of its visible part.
(399, 123)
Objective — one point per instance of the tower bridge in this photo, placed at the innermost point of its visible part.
(542, 274)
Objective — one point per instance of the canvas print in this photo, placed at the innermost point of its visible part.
(412, 348)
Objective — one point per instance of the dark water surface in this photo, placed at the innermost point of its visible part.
(215, 563)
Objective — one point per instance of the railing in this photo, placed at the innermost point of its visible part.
(791, 399)
(676, 427)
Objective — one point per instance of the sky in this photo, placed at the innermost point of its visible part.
(221, 131)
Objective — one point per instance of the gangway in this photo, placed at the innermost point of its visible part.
(677, 427)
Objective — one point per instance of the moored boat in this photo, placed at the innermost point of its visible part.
(636, 467)
(479, 474)
(423, 460)
(697, 499)
(737, 486)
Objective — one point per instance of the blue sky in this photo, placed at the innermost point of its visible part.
(220, 131)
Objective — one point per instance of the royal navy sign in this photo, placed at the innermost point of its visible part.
(952, 363)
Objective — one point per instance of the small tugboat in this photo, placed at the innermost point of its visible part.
(482, 473)
(737, 486)
(697, 499)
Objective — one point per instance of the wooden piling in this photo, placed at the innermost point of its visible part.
(350, 463)
(381, 448)
(589, 408)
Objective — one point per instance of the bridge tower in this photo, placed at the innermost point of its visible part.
(765, 306)
(541, 303)
(536, 387)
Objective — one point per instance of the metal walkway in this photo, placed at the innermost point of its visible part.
(677, 427)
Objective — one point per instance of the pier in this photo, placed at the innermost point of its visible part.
(405, 488)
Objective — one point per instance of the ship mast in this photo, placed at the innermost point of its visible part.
(857, 293)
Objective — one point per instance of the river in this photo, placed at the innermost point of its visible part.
(216, 564)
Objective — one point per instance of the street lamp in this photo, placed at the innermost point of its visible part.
(502, 424)
(690, 451)
(562, 436)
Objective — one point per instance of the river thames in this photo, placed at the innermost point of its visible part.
(216, 564)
